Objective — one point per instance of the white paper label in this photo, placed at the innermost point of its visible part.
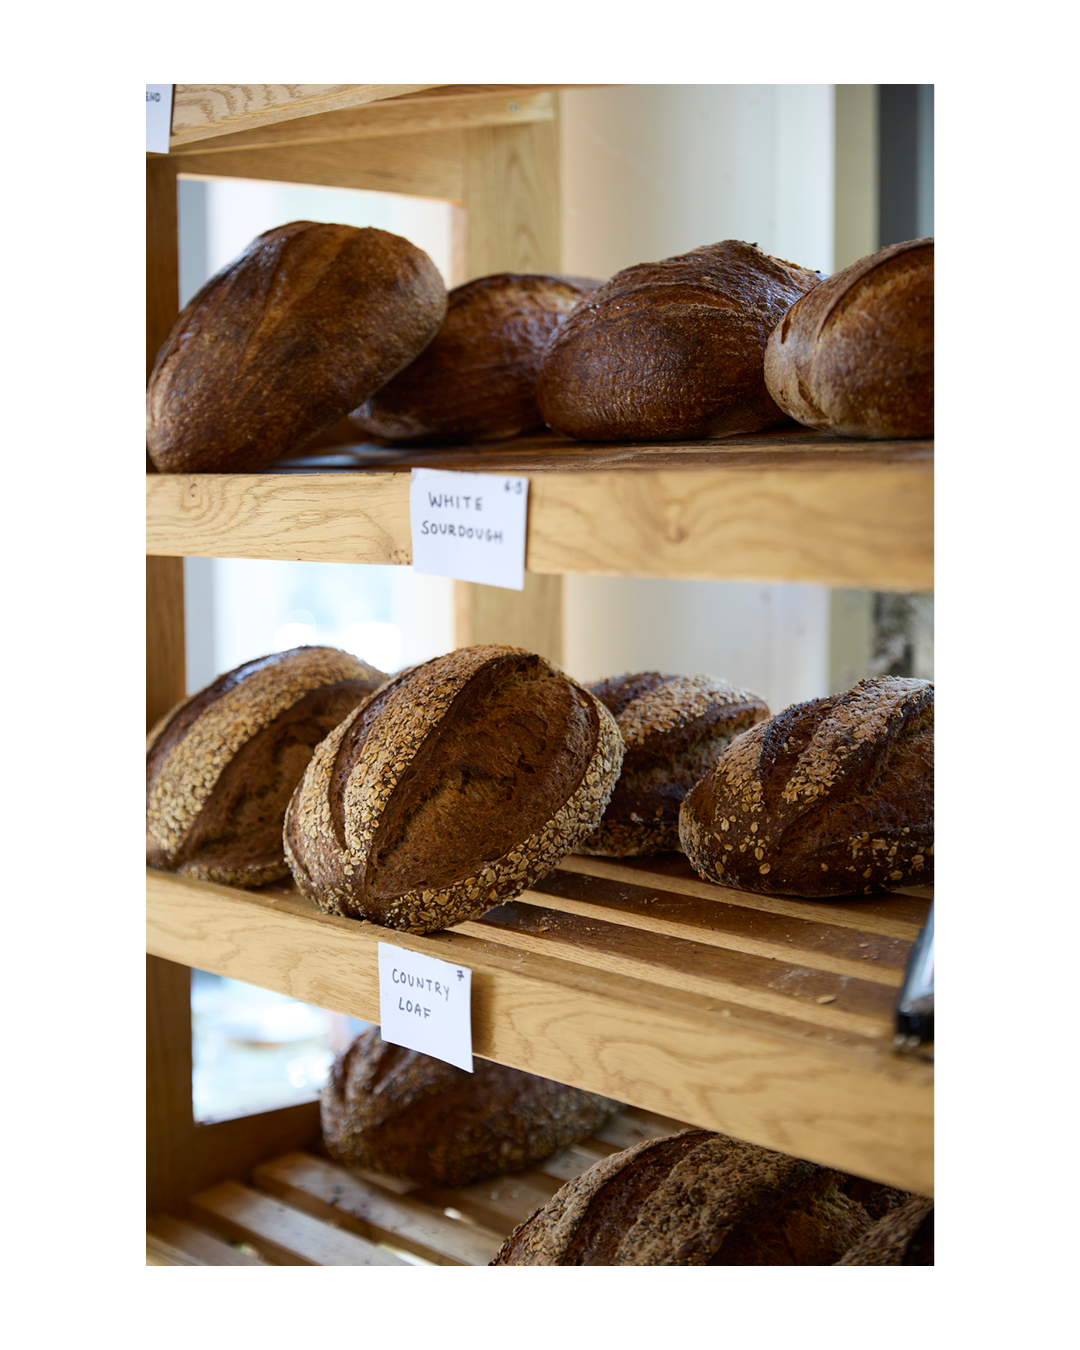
(158, 117)
(469, 526)
(425, 1005)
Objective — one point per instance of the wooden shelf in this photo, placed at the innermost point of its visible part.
(800, 506)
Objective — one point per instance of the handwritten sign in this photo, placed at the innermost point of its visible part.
(426, 1005)
(469, 526)
(158, 117)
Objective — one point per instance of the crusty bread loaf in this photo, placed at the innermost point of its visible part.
(856, 355)
(476, 379)
(222, 765)
(674, 728)
(672, 348)
(460, 783)
(830, 797)
(903, 1237)
(396, 1111)
(307, 322)
(697, 1199)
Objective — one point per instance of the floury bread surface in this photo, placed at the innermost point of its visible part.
(672, 349)
(460, 783)
(699, 1199)
(222, 765)
(674, 727)
(856, 355)
(307, 322)
(830, 797)
(399, 1112)
(476, 380)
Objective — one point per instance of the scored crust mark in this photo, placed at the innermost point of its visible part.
(902, 1237)
(452, 790)
(673, 348)
(675, 727)
(855, 355)
(831, 797)
(476, 379)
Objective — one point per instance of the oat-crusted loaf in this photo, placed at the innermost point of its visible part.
(674, 728)
(476, 379)
(222, 765)
(408, 1115)
(830, 797)
(460, 783)
(307, 322)
(903, 1237)
(698, 1199)
(672, 348)
(856, 354)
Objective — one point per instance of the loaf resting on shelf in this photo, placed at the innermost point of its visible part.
(396, 1111)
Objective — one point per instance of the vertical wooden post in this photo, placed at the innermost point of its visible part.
(512, 212)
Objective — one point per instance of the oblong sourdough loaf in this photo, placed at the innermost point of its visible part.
(698, 1199)
(903, 1237)
(460, 783)
(408, 1115)
(830, 797)
(222, 765)
(856, 355)
(476, 379)
(672, 348)
(307, 322)
(674, 728)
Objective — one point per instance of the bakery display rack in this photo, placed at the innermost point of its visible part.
(768, 1018)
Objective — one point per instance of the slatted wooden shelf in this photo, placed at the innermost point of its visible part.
(300, 1208)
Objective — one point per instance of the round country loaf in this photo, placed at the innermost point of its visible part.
(830, 797)
(698, 1199)
(674, 728)
(307, 322)
(222, 765)
(671, 349)
(903, 1237)
(476, 379)
(405, 1114)
(855, 355)
(460, 783)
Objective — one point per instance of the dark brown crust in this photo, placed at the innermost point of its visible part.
(462, 782)
(405, 1114)
(307, 322)
(694, 1199)
(476, 380)
(222, 766)
(672, 348)
(831, 797)
(856, 355)
(675, 728)
(903, 1237)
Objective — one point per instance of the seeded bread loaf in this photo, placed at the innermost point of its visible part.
(674, 728)
(855, 356)
(222, 765)
(460, 783)
(476, 380)
(903, 1237)
(698, 1199)
(396, 1111)
(830, 797)
(672, 348)
(307, 322)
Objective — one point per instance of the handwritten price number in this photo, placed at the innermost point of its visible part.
(512, 485)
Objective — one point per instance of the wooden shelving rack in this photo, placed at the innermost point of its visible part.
(770, 1019)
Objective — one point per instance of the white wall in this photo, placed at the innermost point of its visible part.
(656, 170)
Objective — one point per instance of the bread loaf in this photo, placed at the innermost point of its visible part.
(460, 783)
(396, 1111)
(903, 1237)
(696, 1199)
(476, 380)
(674, 728)
(671, 349)
(307, 322)
(830, 797)
(855, 356)
(222, 765)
